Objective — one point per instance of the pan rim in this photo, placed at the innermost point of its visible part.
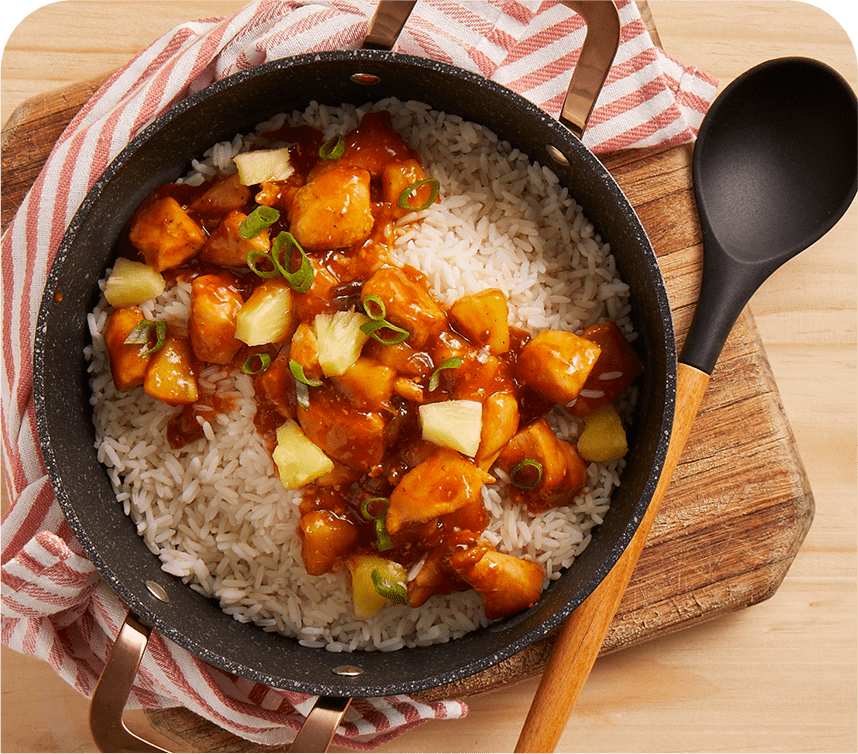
(342, 686)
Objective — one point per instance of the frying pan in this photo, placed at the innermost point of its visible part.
(161, 153)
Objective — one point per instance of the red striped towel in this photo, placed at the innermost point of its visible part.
(55, 605)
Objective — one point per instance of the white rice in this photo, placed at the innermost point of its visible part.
(215, 512)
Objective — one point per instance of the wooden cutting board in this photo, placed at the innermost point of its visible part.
(740, 503)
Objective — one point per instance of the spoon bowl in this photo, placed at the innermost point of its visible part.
(774, 169)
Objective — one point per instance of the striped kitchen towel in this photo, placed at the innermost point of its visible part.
(55, 606)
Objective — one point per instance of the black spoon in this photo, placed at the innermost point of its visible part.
(774, 168)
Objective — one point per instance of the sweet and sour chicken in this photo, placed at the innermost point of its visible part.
(388, 410)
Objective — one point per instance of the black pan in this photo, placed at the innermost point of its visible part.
(162, 153)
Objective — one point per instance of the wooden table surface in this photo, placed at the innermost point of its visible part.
(779, 676)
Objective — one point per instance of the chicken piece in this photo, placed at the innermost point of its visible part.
(480, 376)
(215, 301)
(333, 211)
(127, 366)
(223, 196)
(325, 538)
(563, 471)
(275, 386)
(278, 194)
(401, 358)
(172, 373)
(500, 423)
(319, 297)
(443, 483)
(305, 350)
(398, 176)
(225, 247)
(435, 576)
(615, 370)
(405, 293)
(507, 584)
(368, 384)
(165, 235)
(370, 146)
(556, 364)
(484, 319)
(355, 438)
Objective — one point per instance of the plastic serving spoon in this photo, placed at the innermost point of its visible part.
(774, 169)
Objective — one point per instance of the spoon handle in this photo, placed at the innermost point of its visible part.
(582, 635)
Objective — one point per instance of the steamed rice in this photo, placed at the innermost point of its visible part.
(215, 512)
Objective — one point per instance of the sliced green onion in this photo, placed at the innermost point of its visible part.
(253, 256)
(142, 333)
(403, 203)
(333, 148)
(298, 373)
(382, 536)
(375, 301)
(372, 328)
(302, 394)
(264, 362)
(453, 363)
(302, 278)
(261, 218)
(525, 463)
(387, 589)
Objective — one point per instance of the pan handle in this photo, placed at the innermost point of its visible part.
(386, 23)
(109, 730)
(597, 55)
(600, 46)
(112, 734)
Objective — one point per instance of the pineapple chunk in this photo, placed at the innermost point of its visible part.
(366, 601)
(603, 438)
(339, 340)
(263, 165)
(298, 460)
(453, 424)
(131, 283)
(267, 315)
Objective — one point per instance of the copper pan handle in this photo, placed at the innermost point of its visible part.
(386, 24)
(597, 55)
(112, 734)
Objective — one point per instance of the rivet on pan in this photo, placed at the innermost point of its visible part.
(557, 155)
(366, 79)
(157, 591)
(348, 670)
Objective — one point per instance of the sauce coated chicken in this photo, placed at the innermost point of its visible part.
(390, 411)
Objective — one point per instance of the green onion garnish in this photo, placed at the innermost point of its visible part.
(382, 536)
(255, 254)
(403, 203)
(333, 148)
(525, 463)
(372, 328)
(261, 218)
(298, 373)
(453, 363)
(302, 278)
(387, 589)
(375, 301)
(264, 362)
(142, 333)
(302, 394)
